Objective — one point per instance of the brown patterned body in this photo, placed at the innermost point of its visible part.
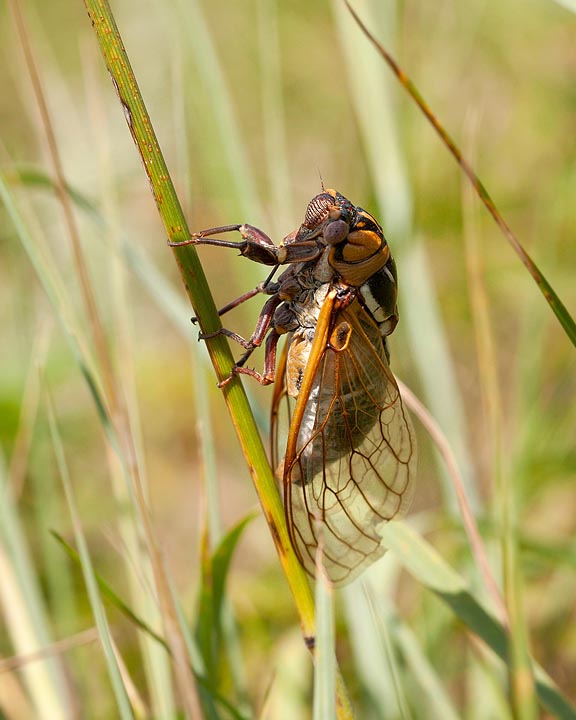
(350, 457)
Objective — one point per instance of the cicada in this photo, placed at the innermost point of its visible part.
(350, 455)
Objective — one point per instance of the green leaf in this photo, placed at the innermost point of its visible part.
(209, 620)
(222, 558)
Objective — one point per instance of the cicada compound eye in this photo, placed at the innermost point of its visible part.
(318, 210)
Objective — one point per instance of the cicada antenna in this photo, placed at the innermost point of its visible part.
(321, 180)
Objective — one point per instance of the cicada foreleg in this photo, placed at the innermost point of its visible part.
(256, 245)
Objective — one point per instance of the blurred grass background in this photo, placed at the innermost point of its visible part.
(250, 103)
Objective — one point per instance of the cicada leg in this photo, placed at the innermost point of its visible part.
(256, 339)
(268, 376)
(266, 288)
(256, 245)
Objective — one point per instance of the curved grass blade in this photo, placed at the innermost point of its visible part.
(193, 277)
(423, 320)
(546, 289)
(38, 178)
(469, 521)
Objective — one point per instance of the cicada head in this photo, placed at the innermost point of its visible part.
(318, 210)
(328, 214)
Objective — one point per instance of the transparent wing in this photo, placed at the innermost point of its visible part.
(354, 459)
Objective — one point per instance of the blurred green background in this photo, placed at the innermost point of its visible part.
(251, 103)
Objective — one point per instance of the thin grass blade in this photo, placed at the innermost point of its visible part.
(375, 106)
(556, 305)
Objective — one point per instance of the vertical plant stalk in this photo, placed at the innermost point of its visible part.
(197, 289)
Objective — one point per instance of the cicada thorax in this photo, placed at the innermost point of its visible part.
(356, 253)
(364, 261)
